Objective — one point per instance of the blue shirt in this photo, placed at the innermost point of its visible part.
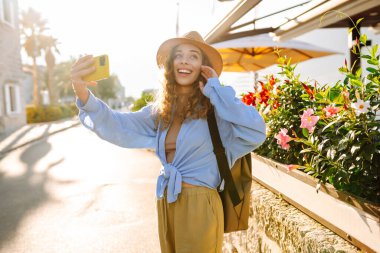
(241, 129)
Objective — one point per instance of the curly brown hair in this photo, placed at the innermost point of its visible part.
(197, 104)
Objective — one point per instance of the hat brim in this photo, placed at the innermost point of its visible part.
(212, 54)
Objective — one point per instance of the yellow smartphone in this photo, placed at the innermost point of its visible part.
(102, 69)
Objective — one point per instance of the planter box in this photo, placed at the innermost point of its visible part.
(355, 220)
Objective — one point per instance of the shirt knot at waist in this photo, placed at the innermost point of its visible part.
(169, 177)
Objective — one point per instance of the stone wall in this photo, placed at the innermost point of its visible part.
(276, 226)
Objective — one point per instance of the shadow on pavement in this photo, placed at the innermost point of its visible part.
(21, 194)
(17, 138)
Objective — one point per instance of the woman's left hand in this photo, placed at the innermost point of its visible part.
(207, 72)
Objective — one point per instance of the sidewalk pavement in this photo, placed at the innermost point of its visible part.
(33, 132)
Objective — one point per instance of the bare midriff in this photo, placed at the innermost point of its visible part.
(171, 139)
(170, 143)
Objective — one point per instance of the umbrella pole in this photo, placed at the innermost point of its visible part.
(354, 58)
(355, 36)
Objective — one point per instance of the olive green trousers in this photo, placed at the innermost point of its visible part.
(192, 224)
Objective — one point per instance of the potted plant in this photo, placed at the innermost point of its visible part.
(329, 137)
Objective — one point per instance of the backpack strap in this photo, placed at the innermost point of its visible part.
(221, 158)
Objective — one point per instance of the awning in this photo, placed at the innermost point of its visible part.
(318, 14)
(307, 18)
(234, 15)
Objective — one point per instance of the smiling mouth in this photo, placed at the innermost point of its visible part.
(184, 71)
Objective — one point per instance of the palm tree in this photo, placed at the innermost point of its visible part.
(32, 27)
(62, 79)
(49, 44)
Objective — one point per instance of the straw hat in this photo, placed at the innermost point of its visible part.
(195, 39)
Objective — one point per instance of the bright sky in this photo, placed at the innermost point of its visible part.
(130, 32)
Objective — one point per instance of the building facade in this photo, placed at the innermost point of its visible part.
(12, 105)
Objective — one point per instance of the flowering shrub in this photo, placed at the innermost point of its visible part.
(328, 131)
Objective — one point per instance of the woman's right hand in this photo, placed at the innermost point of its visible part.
(82, 67)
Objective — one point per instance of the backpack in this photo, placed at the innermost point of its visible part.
(237, 182)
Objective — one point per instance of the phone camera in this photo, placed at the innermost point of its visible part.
(102, 60)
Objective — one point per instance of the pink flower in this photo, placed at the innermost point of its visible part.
(308, 121)
(283, 138)
(291, 167)
(331, 110)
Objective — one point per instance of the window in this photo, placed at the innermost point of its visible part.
(12, 99)
(7, 12)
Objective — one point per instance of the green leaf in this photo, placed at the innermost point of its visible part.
(345, 80)
(331, 153)
(339, 99)
(343, 143)
(329, 124)
(366, 57)
(308, 143)
(343, 69)
(358, 21)
(351, 135)
(306, 150)
(358, 72)
(320, 146)
(350, 30)
(342, 157)
(312, 139)
(305, 132)
(356, 82)
(372, 70)
(374, 50)
(351, 167)
(373, 62)
(354, 149)
(363, 39)
(299, 140)
(319, 96)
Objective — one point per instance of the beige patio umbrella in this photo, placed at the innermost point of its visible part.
(258, 52)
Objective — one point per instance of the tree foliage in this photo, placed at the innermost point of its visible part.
(108, 88)
(146, 97)
(35, 42)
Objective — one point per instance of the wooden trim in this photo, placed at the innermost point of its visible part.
(364, 205)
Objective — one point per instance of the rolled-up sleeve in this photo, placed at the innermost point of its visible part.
(125, 129)
(241, 127)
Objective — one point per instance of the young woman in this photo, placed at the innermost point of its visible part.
(190, 213)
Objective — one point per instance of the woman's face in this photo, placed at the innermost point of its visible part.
(187, 64)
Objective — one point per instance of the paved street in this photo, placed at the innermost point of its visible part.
(73, 192)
